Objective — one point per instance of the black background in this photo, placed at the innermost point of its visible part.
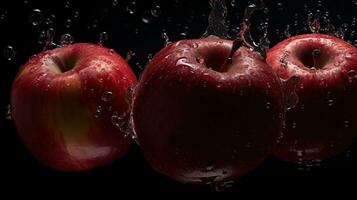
(127, 32)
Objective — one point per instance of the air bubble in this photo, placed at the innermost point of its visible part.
(66, 39)
(107, 96)
(129, 56)
(166, 38)
(131, 8)
(115, 3)
(8, 115)
(67, 4)
(352, 76)
(68, 23)
(268, 105)
(233, 3)
(9, 53)
(156, 11)
(103, 37)
(330, 102)
(36, 17)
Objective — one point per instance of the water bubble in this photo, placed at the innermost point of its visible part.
(149, 56)
(279, 6)
(166, 38)
(98, 112)
(107, 96)
(293, 125)
(49, 44)
(50, 20)
(36, 17)
(76, 14)
(66, 39)
(268, 105)
(156, 11)
(103, 37)
(129, 55)
(287, 31)
(9, 53)
(115, 3)
(68, 23)
(352, 76)
(3, 16)
(8, 115)
(131, 8)
(346, 124)
(355, 2)
(330, 102)
(221, 186)
(147, 18)
(233, 3)
(67, 4)
(42, 37)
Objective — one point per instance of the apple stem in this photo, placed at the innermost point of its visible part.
(315, 58)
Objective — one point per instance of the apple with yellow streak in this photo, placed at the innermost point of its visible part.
(70, 106)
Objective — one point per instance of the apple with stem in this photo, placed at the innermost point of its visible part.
(70, 106)
(207, 110)
(324, 123)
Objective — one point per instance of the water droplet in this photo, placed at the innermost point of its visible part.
(156, 11)
(9, 53)
(36, 17)
(279, 6)
(68, 23)
(107, 96)
(103, 37)
(66, 39)
(131, 8)
(8, 115)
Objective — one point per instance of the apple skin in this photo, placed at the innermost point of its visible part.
(198, 125)
(324, 122)
(56, 98)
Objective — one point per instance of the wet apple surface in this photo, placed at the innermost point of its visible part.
(323, 124)
(70, 106)
(199, 122)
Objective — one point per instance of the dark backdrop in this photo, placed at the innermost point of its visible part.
(141, 33)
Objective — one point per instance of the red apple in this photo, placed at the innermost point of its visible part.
(200, 117)
(70, 106)
(324, 123)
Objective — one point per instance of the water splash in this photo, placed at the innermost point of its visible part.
(217, 20)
